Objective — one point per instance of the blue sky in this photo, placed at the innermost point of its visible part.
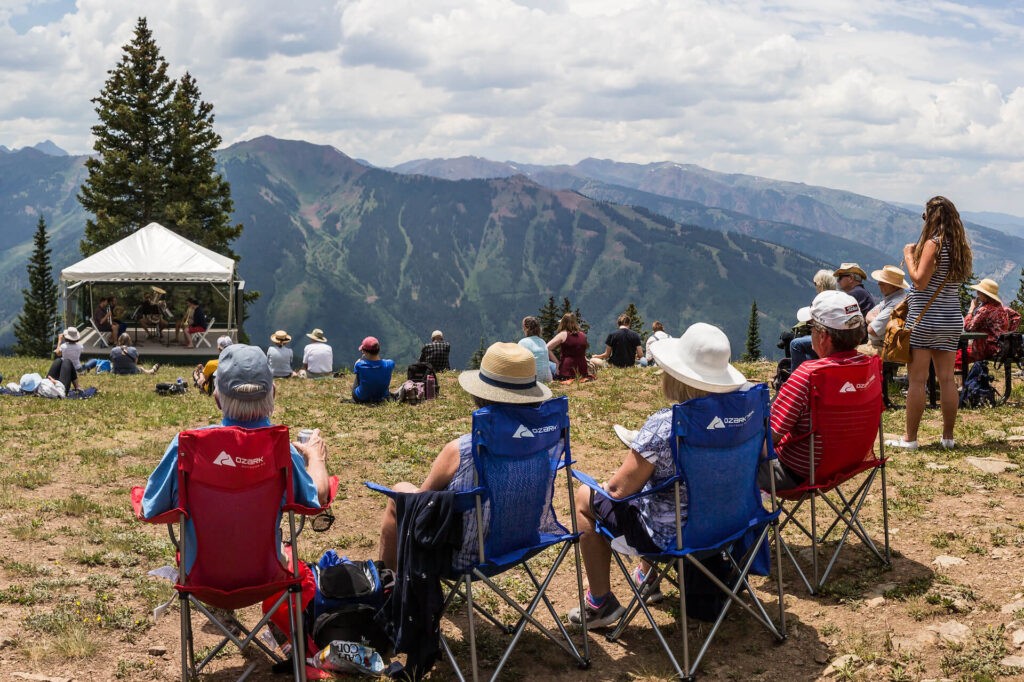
(896, 100)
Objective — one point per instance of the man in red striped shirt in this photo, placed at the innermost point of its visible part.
(837, 327)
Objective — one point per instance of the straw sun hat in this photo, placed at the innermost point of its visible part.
(890, 274)
(989, 288)
(280, 336)
(507, 374)
(72, 334)
(317, 335)
(850, 269)
(699, 358)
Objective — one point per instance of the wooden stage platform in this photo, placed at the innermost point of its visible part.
(153, 350)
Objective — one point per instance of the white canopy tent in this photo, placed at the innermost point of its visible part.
(152, 255)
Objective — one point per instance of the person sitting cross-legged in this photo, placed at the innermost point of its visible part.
(373, 375)
(694, 365)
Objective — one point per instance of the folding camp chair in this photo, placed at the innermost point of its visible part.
(846, 417)
(233, 485)
(199, 338)
(717, 442)
(100, 338)
(517, 454)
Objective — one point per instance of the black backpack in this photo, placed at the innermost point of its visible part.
(349, 602)
(1011, 348)
(782, 372)
(978, 389)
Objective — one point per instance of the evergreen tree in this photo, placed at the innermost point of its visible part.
(584, 325)
(964, 293)
(1018, 303)
(636, 323)
(478, 355)
(37, 322)
(125, 188)
(548, 317)
(198, 202)
(753, 352)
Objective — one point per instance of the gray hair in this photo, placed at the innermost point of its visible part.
(824, 280)
(246, 410)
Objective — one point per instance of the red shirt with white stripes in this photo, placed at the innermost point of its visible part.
(791, 412)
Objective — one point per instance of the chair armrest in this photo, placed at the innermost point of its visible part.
(589, 482)
(465, 497)
(169, 516)
(332, 492)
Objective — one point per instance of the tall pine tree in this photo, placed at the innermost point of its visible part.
(478, 355)
(198, 200)
(36, 325)
(753, 351)
(125, 188)
(548, 316)
(636, 323)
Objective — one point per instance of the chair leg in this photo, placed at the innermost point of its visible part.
(472, 629)
(187, 660)
(298, 636)
(683, 618)
(885, 518)
(814, 544)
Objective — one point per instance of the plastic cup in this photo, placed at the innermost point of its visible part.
(305, 434)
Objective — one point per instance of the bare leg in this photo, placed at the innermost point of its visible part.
(597, 553)
(389, 528)
(949, 398)
(917, 375)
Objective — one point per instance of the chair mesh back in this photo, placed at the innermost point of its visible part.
(516, 451)
(231, 483)
(717, 446)
(846, 403)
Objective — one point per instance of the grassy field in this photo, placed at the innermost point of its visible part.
(76, 601)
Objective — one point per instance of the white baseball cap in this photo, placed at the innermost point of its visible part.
(833, 309)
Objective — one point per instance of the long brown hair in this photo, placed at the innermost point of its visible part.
(942, 220)
(568, 324)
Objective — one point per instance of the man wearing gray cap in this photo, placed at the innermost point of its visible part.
(244, 392)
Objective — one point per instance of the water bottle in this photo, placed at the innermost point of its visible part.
(431, 388)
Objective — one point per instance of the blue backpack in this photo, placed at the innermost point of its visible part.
(978, 389)
(103, 366)
(350, 596)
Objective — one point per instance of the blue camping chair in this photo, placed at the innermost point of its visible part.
(517, 455)
(717, 445)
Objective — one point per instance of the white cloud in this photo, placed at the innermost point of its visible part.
(895, 100)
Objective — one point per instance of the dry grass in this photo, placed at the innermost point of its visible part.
(75, 600)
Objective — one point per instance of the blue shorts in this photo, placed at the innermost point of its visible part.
(622, 519)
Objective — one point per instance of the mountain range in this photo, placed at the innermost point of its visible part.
(471, 246)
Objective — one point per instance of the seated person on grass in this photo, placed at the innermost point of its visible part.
(202, 375)
(694, 365)
(373, 375)
(837, 328)
(507, 376)
(124, 358)
(245, 395)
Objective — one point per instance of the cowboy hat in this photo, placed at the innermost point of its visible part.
(890, 274)
(989, 288)
(507, 374)
(72, 334)
(317, 335)
(280, 336)
(850, 269)
(699, 358)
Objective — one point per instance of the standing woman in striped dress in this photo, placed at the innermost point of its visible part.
(941, 257)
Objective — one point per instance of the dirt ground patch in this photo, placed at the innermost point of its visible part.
(76, 600)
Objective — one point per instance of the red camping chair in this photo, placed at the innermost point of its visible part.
(846, 417)
(233, 485)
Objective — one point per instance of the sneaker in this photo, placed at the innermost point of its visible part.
(625, 435)
(902, 444)
(598, 616)
(947, 443)
(651, 593)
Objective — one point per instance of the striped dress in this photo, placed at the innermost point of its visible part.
(942, 324)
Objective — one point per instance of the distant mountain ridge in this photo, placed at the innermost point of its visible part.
(817, 220)
(355, 250)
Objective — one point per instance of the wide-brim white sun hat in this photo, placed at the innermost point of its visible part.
(507, 374)
(700, 358)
